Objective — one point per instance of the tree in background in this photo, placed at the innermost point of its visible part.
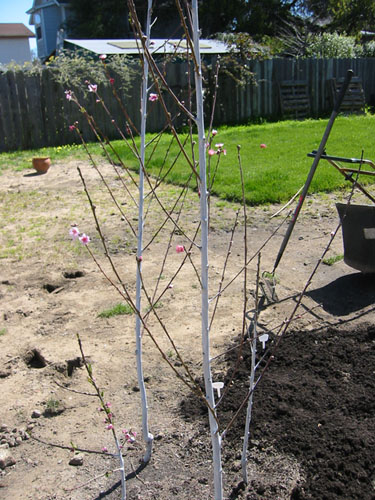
(349, 16)
(261, 19)
(110, 18)
(98, 19)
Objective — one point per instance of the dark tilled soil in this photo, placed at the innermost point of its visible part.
(315, 404)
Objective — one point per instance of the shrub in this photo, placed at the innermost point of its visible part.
(331, 45)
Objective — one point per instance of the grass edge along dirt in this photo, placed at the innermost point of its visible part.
(273, 172)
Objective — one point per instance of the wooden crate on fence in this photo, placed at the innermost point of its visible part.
(354, 98)
(294, 99)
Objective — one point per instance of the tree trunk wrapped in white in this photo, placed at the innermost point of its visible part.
(147, 436)
(214, 428)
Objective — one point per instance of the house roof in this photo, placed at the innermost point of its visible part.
(40, 4)
(15, 30)
(157, 46)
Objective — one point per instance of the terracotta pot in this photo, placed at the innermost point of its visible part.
(41, 165)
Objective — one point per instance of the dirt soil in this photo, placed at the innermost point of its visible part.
(312, 432)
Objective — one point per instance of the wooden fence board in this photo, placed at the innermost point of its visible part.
(7, 142)
(25, 135)
(15, 116)
(32, 88)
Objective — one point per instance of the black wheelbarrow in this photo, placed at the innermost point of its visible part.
(358, 232)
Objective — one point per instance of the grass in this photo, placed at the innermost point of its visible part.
(116, 310)
(332, 260)
(271, 175)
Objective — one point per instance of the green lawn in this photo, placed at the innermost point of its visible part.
(272, 174)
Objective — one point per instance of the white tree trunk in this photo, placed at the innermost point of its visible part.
(147, 436)
(214, 429)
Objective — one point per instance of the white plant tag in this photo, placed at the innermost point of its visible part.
(218, 386)
(369, 233)
(263, 339)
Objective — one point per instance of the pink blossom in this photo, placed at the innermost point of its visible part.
(219, 145)
(112, 81)
(74, 232)
(130, 436)
(97, 100)
(214, 132)
(102, 57)
(92, 87)
(105, 449)
(180, 248)
(153, 97)
(108, 404)
(109, 427)
(69, 95)
(211, 152)
(72, 127)
(263, 146)
(84, 239)
(224, 151)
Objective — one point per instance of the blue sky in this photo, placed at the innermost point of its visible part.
(14, 11)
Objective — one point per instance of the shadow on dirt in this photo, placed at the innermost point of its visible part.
(347, 294)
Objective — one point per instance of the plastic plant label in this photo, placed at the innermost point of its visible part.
(218, 386)
(263, 339)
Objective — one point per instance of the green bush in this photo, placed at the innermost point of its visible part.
(74, 68)
(332, 45)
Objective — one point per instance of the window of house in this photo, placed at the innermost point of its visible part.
(38, 32)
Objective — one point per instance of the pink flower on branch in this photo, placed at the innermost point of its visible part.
(84, 239)
(214, 132)
(153, 97)
(180, 248)
(92, 87)
(103, 57)
(74, 232)
(130, 436)
(69, 95)
(211, 152)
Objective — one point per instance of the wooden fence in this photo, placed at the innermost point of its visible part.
(34, 111)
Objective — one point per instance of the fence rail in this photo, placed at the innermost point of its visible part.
(35, 113)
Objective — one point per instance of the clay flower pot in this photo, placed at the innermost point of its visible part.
(41, 165)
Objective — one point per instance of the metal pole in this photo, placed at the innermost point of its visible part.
(319, 153)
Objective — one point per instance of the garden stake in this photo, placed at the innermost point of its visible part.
(318, 155)
(147, 436)
(205, 323)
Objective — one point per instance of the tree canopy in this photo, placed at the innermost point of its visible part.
(258, 18)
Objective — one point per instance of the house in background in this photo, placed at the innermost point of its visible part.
(48, 17)
(14, 43)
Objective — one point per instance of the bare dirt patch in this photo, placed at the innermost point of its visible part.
(313, 416)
